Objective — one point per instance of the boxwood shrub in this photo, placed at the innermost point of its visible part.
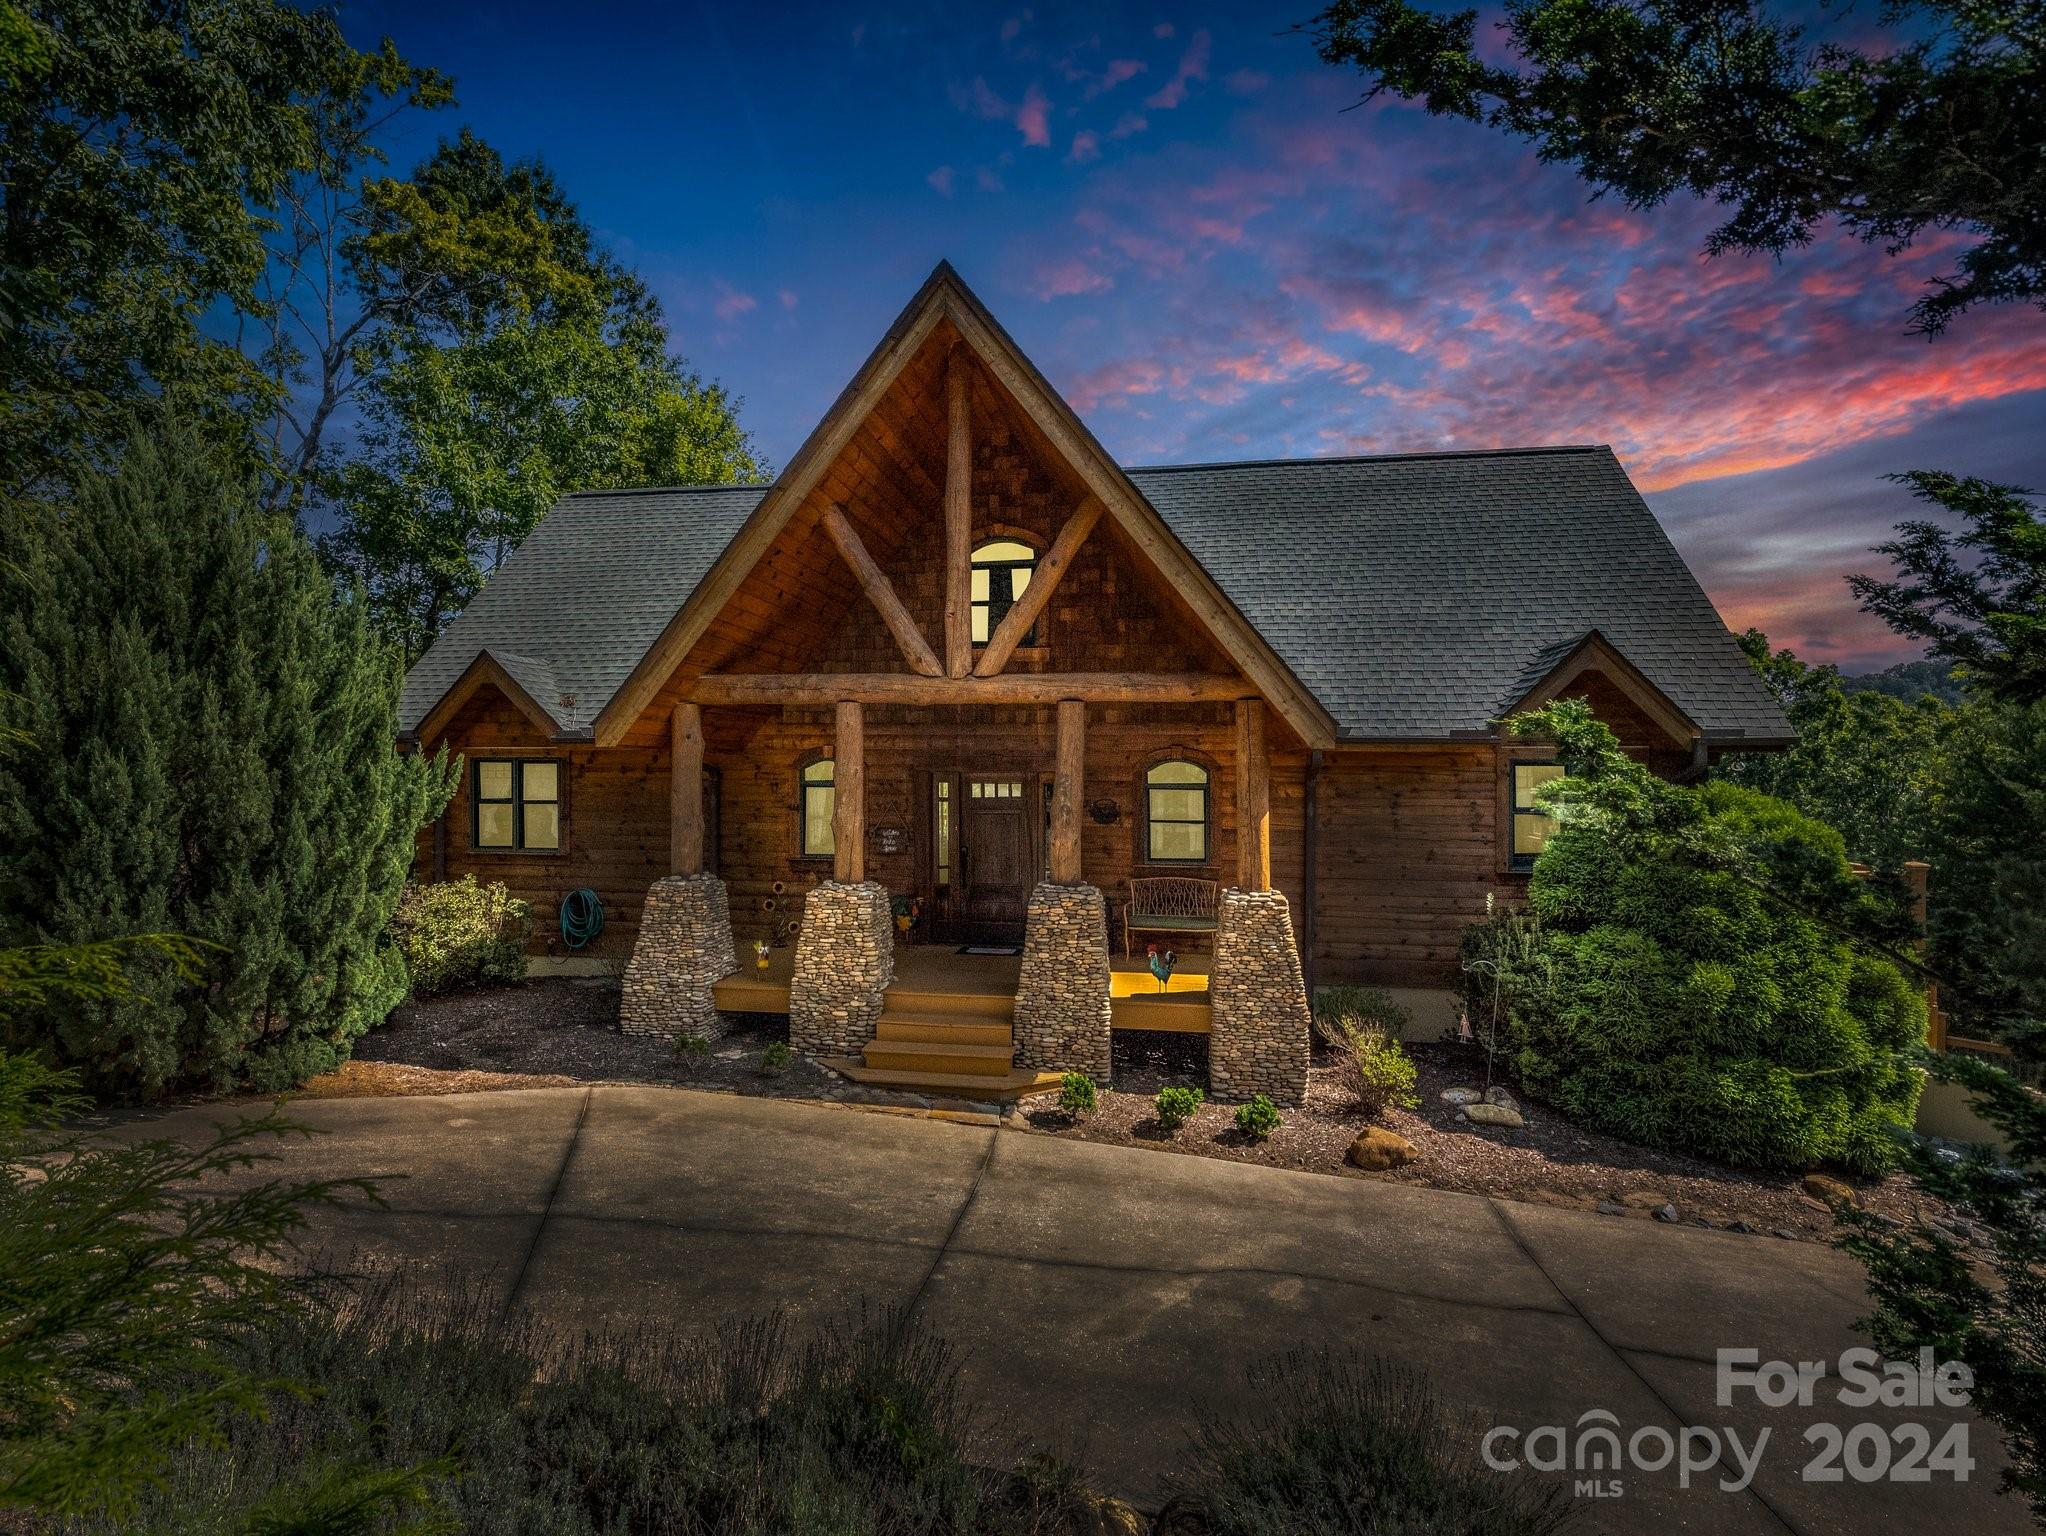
(456, 933)
(1689, 987)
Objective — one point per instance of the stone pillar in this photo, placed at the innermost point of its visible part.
(1062, 1007)
(1259, 1001)
(684, 946)
(845, 958)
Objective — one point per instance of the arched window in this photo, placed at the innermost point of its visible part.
(1176, 812)
(819, 799)
(1001, 572)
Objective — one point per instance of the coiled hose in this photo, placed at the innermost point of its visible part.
(582, 917)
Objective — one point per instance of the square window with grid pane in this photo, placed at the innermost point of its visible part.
(515, 805)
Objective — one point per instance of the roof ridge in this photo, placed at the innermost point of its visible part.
(1374, 458)
(673, 490)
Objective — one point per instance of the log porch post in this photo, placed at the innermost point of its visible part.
(685, 791)
(1253, 798)
(849, 797)
(958, 517)
(1068, 787)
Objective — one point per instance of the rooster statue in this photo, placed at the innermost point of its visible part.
(1162, 962)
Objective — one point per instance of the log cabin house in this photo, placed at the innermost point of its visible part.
(959, 716)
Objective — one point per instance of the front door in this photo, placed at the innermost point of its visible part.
(997, 858)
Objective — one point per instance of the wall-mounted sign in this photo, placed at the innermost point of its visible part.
(891, 840)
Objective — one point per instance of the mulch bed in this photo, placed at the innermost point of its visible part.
(557, 1032)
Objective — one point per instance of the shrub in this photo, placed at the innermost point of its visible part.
(1684, 987)
(691, 1045)
(1257, 1119)
(456, 933)
(1365, 1007)
(857, 1427)
(1338, 1443)
(1176, 1106)
(210, 754)
(775, 1059)
(1076, 1094)
(1377, 1072)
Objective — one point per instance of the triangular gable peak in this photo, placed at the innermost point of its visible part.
(847, 561)
(526, 683)
(1594, 667)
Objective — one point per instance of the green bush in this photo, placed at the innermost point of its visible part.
(456, 933)
(1363, 1007)
(776, 1058)
(1176, 1106)
(1374, 1068)
(210, 752)
(1076, 1094)
(1257, 1119)
(1335, 1443)
(1684, 988)
(691, 1045)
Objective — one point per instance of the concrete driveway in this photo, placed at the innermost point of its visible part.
(1101, 1292)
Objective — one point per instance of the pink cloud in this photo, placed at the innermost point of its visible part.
(1120, 70)
(1246, 82)
(941, 180)
(1117, 381)
(731, 303)
(980, 99)
(987, 178)
(1129, 124)
(1068, 279)
(1086, 146)
(1033, 118)
(1193, 65)
(1163, 29)
(788, 301)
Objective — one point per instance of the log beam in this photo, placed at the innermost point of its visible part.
(1044, 581)
(815, 688)
(1253, 799)
(849, 797)
(685, 791)
(881, 593)
(958, 516)
(1068, 792)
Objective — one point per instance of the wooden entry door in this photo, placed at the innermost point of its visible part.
(997, 857)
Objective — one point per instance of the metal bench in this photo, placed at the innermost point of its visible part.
(1169, 904)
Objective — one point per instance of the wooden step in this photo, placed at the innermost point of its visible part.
(939, 1029)
(922, 1056)
(900, 1000)
(1013, 1084)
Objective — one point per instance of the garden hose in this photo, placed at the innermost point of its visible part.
(582, 917)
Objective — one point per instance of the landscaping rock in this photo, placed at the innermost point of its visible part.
(1785, 1233)
(1737, 1225)
(1377, 1149)
(1494, 1114)
(1611, 1208)
(1666, 1213)
(1462, 1096)
(1502, 1098)
(1114, 1517)
(1823, 1186)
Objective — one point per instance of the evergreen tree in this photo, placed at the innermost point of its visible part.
(211, 754)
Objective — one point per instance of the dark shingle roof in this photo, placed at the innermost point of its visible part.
(1419, 595)
(1415, 595)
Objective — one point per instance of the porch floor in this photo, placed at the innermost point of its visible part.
(926, 974)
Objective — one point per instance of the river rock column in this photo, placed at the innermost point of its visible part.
(684, 948)
(1258, 1000)
(1062, 996)
(845, 959)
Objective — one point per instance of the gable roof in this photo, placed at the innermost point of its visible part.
(1424, 595)
(1417, 596)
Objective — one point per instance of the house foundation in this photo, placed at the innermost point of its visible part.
(684, 949)
(845, 959)
(1062, 995)
(1259, 1039)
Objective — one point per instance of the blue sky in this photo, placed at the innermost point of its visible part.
(1174, 214)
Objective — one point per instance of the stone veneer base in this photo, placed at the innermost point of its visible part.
(1062, 994)
(684, 948)
(845, 959)
(1258, 999)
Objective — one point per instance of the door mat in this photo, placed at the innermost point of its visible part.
(990, 949)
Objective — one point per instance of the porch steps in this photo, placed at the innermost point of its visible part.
(958, 1007)
(1013, 1084)
(903, 1025)
(961, 1059)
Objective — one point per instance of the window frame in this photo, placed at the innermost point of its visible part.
(802, 808)
(1206, 823)
(976, 606)
(517, 801)
(1522, 863)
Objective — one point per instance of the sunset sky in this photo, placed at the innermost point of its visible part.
(1171, 210)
